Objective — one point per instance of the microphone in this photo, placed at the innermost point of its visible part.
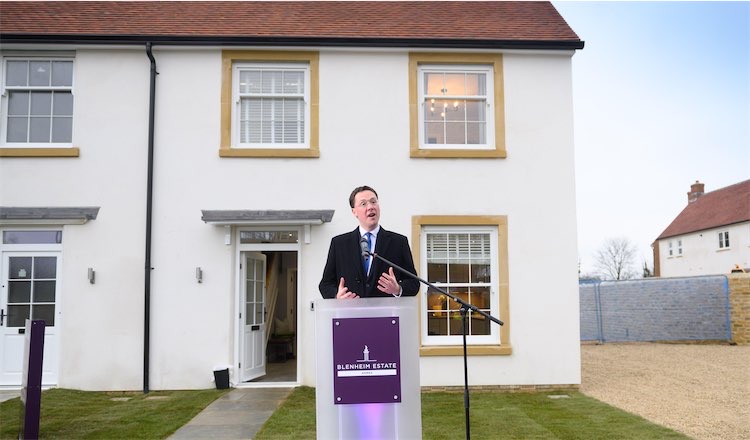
(365, 247)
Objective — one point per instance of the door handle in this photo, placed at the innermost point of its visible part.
(2, 316)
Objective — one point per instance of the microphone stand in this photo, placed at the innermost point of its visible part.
(465, 307)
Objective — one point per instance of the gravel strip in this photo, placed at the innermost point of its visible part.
(702, 391)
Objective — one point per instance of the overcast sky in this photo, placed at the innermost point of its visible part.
(661, 95)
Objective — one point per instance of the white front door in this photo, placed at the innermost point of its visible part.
(253, 316)
(30, 289)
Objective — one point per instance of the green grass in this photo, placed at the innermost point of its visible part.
(494, 415)
(70, 414)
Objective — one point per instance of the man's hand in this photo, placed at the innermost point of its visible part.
(388, 283)
(344, 293)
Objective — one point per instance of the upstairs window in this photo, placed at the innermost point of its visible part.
(724, 240)
(37, 102)
(272, 105)
(269, 104)
(456, 105)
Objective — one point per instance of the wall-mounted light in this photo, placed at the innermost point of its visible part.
(92, 275)
(199, 274)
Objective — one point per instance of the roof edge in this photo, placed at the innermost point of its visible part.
(171, 40)
(663, 237)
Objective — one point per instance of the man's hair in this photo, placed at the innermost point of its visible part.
(358, 190)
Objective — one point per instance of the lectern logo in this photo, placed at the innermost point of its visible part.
(366, 367)
(366, 357)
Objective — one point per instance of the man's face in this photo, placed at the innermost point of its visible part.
(366, 209)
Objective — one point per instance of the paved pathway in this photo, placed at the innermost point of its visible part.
(238, 414)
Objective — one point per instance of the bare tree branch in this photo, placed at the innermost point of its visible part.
(615, 258)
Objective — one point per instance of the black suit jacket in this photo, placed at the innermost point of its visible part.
(345, 260)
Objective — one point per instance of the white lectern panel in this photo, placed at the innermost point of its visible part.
(370, 366)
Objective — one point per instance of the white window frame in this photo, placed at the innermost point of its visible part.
(724, 240)
(4, 97)
(423, 101)
(236, 98)
(440, 340)
(671, 251)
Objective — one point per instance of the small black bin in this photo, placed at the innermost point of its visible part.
(221, 377)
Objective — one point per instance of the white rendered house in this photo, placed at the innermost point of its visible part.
(171, 175)
(710, 236)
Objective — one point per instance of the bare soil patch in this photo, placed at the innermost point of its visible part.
(702, 391)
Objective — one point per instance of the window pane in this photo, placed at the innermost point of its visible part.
(271, 81)
(19, 291)
(44, 291)
(478, 324)
(454, 84)
(455, 133)
(18, 103)
(62, 129)
(41, 103)
(433, 83)
(250, 81)
(39, 74)
(455, 323)
(62, 73)
(45, 267)
(17, 315)
(17, 73)
(480, 297)
(249, 313)
(458, 273)
(476, 84)
(476, 111)
(63, 104)
(17, 129)
(437, 324)
(258, 291)
(32, 237)
(20, 268)
(39, 128)
(475, 133)
(437, 272)
(45, 312)
(434, 133)
(294, 82)
(480, 273)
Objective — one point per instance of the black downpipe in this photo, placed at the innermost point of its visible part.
(149, 203)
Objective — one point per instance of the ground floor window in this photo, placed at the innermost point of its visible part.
(467, 257)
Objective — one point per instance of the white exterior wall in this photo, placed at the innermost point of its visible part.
(364, 139)
(701, 254)
(101, 324)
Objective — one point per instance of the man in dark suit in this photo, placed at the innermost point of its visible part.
(348, 275)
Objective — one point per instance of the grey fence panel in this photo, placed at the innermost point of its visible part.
(656, 309)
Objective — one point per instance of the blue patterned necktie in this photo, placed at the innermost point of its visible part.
(366, 262)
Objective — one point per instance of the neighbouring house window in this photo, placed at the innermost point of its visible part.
(671, 251)
(467, 258)
(679, 247)
(724, 240)
(456, 105)
(38, 103)
(269, 107)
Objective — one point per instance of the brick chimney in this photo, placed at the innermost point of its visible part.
(696, 190)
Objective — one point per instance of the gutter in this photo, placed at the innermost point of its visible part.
(149, 204)
(166, 40)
